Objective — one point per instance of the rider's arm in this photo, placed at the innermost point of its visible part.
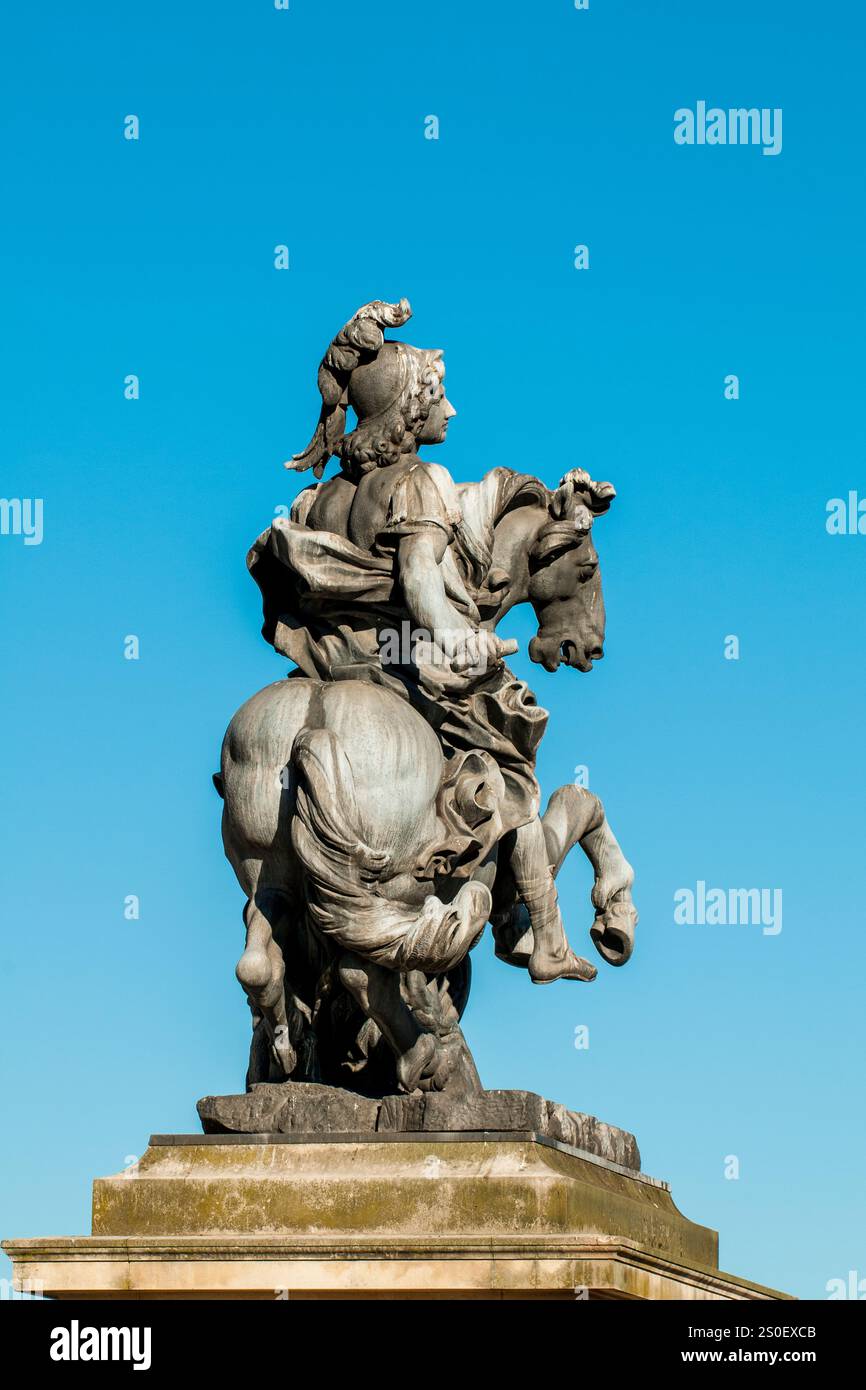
(423, 514)
(419, 558)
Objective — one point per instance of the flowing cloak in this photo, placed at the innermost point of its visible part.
(334, 609)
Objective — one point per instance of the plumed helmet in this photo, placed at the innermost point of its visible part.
(362, 370)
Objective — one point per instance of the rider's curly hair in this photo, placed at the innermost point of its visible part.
(382, 439)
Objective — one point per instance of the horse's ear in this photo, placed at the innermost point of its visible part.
(576, 488)
(563, 499)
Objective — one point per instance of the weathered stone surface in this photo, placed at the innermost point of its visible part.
(308, 1108)
(463, 1217)
(425, 1185)
(510, 1111)
(254, 1267)
(300, 1108)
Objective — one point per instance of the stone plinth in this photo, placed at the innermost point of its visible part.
(305, 1108)
(410, 1215)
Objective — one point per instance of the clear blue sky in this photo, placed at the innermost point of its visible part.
(155, 257)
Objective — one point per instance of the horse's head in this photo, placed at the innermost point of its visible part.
(564, 578)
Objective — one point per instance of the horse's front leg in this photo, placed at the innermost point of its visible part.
(575, 816)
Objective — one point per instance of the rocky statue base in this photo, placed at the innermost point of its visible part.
(310, 1109)
(397, 1213)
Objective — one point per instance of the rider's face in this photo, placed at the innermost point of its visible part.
(435, 427)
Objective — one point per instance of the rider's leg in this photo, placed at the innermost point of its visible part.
(552, 958)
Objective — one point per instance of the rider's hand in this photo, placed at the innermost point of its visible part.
(481, 650)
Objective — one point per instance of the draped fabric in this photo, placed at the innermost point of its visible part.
(328, 603)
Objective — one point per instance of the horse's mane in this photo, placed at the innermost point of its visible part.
(521, 490)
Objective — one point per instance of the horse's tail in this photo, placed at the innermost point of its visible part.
(342, 872)
(327, 831)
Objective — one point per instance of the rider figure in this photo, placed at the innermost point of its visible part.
(390, 539)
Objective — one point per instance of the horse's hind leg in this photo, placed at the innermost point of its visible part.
(261, 971)
(377, 991)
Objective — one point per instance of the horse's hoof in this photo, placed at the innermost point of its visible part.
(612, 932)
(412, 1065)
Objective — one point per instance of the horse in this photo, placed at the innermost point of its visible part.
(371, 863)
